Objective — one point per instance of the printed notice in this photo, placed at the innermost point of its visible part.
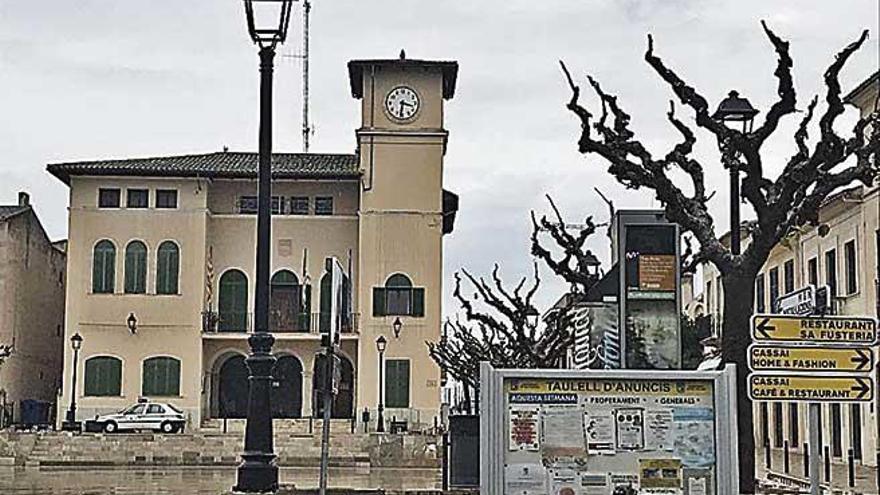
(594, 484)
(525, 479)
(660, 473)
(564, 481)
(563, 431)
(659, 429)
(696, 486)
(525, 428)
(630, 429)
(599, 431)
(694, 436)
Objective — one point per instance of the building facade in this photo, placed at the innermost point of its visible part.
(162, 264)
(32, 281)
(843, 253)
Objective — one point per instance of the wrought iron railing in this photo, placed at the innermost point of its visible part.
(243, 322)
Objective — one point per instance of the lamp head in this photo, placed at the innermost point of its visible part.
(532, 316)
(397, 326)
(132, 323)
(735, 109)
(267, 21)
(76, 341)
(381, 343)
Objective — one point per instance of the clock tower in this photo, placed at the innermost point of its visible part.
(401, 144)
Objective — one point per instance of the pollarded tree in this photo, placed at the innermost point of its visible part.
(497, 326)
(780, 205)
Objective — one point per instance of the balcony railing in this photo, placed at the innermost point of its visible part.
(305, 323)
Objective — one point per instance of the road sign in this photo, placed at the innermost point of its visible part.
(814, 330)
(809, 300)
(798, 359)
(811, 388)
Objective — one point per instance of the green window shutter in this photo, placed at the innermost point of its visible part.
(378, 301)
(161, 377)
(232, 304)
(103, 377)
(307, 308)
(418, 302)
(103, 267)
(397, 384)
(135, 268)
(167, 268)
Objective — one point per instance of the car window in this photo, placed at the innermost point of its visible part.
(138, 409)
(155, 409)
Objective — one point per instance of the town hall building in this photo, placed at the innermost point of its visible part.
(161, 264)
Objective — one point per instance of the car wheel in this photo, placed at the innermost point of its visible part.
(110, 427)
(168, 427)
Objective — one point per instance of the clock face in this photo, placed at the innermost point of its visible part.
(402, 103)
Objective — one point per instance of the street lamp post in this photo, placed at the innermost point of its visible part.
(733, 111)
(267, 22)
(381, 343)
(70, 419)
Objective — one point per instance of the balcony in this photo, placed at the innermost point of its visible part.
(220, 322)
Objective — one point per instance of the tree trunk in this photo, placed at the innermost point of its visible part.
(735, 339)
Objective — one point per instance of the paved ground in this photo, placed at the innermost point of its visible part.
(866, 477)
(194, 481)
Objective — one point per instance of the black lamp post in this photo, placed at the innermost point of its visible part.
(734, 112)
(267, 22)
(381, 343)
(70, 420)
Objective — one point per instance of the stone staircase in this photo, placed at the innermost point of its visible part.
(206, 448)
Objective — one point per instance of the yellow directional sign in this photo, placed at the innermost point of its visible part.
(811, 388)
(798, 359)
(815, 329)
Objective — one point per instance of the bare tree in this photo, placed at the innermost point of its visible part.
(780, 205)
(497, 327)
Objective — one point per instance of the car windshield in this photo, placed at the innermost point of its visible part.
(174, 408)
(135, 409)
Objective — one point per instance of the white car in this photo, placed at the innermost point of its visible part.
(157, 416)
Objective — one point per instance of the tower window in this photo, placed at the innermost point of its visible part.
(137, 198)
(166, 198)
(299, 205)
(108, 198)
(324, 205)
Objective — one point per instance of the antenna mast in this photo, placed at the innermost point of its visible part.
(306, 125)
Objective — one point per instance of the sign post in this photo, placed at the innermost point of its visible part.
(812, 359)
(330, 342)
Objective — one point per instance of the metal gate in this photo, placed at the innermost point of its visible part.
(464, 451)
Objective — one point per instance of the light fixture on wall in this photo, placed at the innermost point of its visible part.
(132, 323)
(397, 326)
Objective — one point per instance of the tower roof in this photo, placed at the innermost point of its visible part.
(356, 69)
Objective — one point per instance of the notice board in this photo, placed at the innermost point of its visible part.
(606, 432)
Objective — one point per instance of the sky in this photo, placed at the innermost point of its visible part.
(97, 79)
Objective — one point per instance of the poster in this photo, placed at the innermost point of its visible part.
(659, 473)
(623, 482)
(525, 479)
(524, 428)
(595, 484)
(630, 429)
(698, 481)
(564, 481)
(599, 432)
(563, 431)
(658, 430)
(694, 436)
(657, 272)
(696, 486)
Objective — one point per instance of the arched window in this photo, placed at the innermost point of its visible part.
(161, 377)
(232, 304)
(103, 376)
(285, 302)
(135, 268)
(104, 268)
(167, 268)
(398, 297)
